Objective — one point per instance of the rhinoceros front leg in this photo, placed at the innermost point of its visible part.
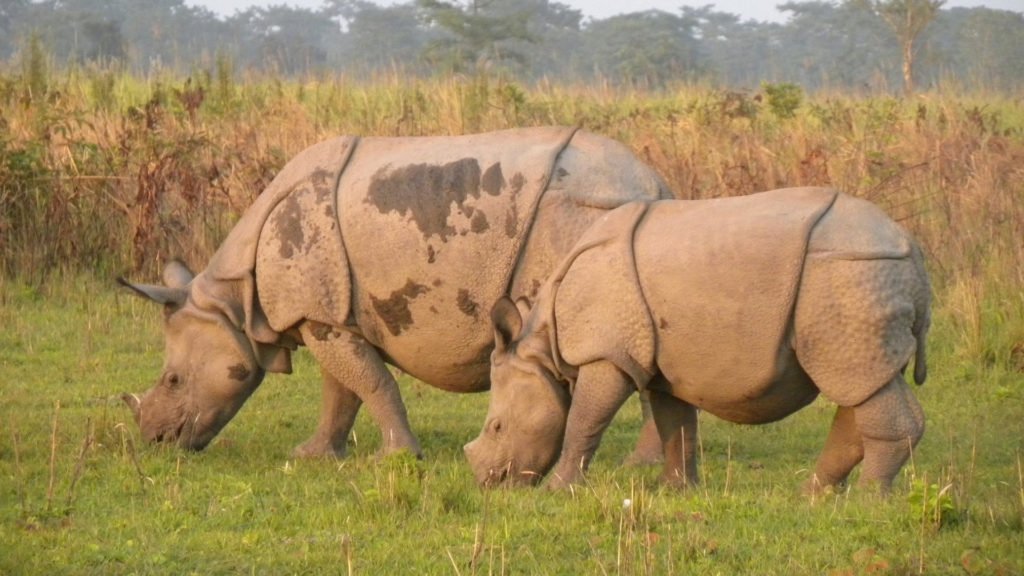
(677, 426)
(338, 414)
(600, 391)
(353, 363)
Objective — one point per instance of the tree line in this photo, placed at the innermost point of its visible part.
(877, 45)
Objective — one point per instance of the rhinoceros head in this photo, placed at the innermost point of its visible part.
(209, 366)
(522, 436)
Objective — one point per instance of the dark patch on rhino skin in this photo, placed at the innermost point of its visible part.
(437, 282)
(467, 305)
(431, 254)
(663, 324)
(518, 181)
(479, 223)
(534, 289)
(493, 180)
(322, 181)
(315, 238)
(239, 372)
(512, 220)
(560, 174)
(394, 310)
(512, 216)
(288, 225)
(426, 192)
(433, 309)
(320, 177)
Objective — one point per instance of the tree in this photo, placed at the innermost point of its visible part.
(727, 43)
(907, 19)
(648, 48)
(376, 37)
(827, 45)
(475, 31)
(284, 39)
(990, 47)
(104, 41)
(10, 12)
(552, 32)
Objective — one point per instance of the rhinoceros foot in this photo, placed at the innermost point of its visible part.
(319, 448)
(648, 447)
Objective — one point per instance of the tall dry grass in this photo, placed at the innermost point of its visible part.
(116, 173)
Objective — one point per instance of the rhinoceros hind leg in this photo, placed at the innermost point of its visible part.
(648, 444)
(354, 363)
(340, 406)
(891, 422)
(677, 427)
(843, 450)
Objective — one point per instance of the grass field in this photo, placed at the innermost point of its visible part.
(81, 495)
(117, 176)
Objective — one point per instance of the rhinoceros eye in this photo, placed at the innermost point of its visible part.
(173, 380)
(495, 426)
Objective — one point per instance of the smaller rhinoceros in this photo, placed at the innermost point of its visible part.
(746, 308)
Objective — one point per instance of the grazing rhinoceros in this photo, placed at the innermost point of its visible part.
(374, 250)
(743, 307)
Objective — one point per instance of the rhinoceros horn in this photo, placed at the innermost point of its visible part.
(134, 402)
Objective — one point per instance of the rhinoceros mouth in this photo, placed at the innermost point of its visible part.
(171, 434)
(508, 475)
(497, 476)
(184, 433)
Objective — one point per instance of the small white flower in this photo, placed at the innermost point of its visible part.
(627, 504)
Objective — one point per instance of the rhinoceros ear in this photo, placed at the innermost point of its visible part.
(524, 306)
(274, 358)
(160, 294)
(507, 322)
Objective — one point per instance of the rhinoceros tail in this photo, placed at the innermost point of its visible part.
(923, 315)
(920, 365)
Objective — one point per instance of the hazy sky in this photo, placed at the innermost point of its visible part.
(748, 9)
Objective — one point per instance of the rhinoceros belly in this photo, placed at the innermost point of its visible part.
(748, 402)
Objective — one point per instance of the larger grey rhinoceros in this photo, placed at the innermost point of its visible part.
(374, 250)
(746, 308)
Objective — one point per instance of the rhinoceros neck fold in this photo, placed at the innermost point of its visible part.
(322, 163)
(598, 280)
(528, 221)
(228, 285)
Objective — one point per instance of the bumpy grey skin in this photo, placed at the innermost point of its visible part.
(746, 308)
(377, 250)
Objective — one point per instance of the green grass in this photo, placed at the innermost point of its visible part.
(79, 493)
